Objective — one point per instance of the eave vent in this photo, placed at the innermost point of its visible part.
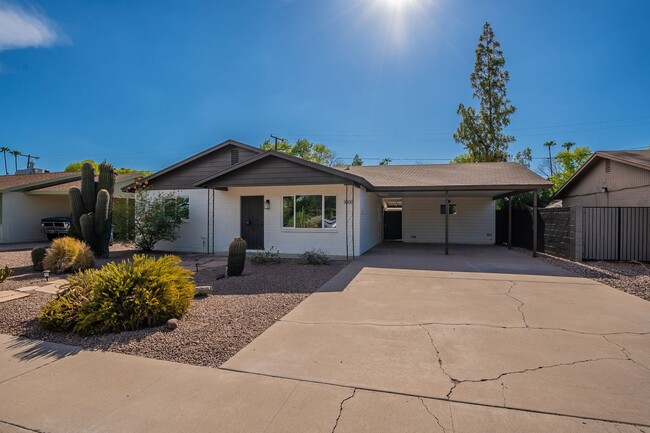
(234, 156)
(608, 166)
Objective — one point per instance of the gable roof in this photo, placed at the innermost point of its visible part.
(292, 159)
(62, 188)
(506, 176)
(468, 176)
(28, 182)
(195, 157)
(635, 158)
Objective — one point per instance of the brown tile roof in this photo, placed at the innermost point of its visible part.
(24, 182)
(640, 158)
(64, 187)
(486, 175)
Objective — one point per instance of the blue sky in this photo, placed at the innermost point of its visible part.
(145, 84)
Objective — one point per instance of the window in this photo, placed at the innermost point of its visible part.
(179, 206)
(309, 211)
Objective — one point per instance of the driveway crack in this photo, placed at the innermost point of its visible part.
(336, 423)
(432, 414)
(625, 352)
(442, 368)
(521, 304)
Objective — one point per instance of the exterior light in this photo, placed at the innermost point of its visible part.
(46, 275)
(603, 189)
(267, 204)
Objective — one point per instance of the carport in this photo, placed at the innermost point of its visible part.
(429, 185)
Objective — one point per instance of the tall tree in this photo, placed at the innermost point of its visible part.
(4, 151)
(481, 133)
(385, 161)
(568, 162)
(356, 161)
(16, 154)
(303, 148)
(549, 144)
(525, 157)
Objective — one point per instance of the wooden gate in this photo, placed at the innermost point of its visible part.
(616, 233)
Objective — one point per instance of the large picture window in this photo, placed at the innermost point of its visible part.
(309, 211)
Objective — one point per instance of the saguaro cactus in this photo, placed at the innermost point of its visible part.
(92, 207)
(236, 257)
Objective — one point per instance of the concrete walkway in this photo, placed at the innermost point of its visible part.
(379, 349)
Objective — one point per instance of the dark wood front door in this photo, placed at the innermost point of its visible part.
(393, 225)
(252, 221)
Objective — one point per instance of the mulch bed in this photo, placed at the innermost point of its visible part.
(214, 328)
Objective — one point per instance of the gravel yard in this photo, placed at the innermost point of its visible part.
(629, 277)
(214, 328)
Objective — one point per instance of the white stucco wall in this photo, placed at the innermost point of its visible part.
(371, 220)
(289, 241)
(474, 222)
(22, 214)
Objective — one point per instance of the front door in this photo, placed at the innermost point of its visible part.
(393, 225)
(252, 221)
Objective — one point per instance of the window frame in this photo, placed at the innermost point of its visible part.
(176, 201)
(322, 228)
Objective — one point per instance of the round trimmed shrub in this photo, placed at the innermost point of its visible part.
(68, 254)
(38, 254)
(123, 296)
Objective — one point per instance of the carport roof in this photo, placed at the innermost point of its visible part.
(29, 182)
(503, 176)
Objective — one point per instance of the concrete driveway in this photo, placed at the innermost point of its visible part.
(485, 326)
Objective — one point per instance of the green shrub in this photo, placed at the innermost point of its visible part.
(67, 254)
(5, 273)
(60, 314)
(314, 257)
(122, 296)
(38, 254)
(266, 257)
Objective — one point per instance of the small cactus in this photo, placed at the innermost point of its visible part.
(5, 273)
(92, 207)
(38, 254)
(236, 257)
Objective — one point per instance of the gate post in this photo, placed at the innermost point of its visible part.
(577, 228)
(535, 223)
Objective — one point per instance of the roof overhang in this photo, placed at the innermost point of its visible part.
(43, 184)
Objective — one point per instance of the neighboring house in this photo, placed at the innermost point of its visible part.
(273, 199)
(27, 198)
(610, 179)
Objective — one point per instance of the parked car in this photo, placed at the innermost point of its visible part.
(55, 227)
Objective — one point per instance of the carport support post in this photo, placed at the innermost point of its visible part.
(509, 222)
(446, 223)
(535, 223)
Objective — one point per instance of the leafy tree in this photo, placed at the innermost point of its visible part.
(481, 133)
(157, 217)
(568, 162)
(356, 161)
(303, 148)
(525, 157)
(463, 158)
(76, 166)
(385, 161)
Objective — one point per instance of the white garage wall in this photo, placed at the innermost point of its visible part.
(22, 214)
(371, 220)
(474, 222)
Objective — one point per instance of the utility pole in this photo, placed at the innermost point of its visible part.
(29, 158)
(276, 141)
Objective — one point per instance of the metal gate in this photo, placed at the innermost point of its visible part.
(616, 233)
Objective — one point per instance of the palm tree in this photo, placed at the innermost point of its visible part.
(550, 144)
(4, 151)
(568, 145)
(16, 154)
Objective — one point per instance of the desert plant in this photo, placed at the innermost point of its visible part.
(314, 257)
(5, 273)
(266, 257)
(60, 314)
(38, 254)
(92, 207)
(156, 217)
(236, 257)
(67, 254)
(122, 296)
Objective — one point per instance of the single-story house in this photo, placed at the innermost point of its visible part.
(25, 199)
(275, 200)
(610, 179)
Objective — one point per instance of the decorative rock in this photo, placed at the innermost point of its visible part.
(203, 290)
(172, 324)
